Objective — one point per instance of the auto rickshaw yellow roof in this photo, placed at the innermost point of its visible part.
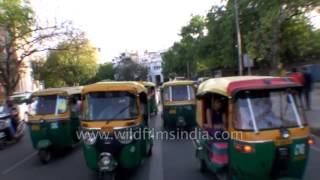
(177, 83)
(51, 91)
(131, 86)
(148, 84)
(220, 85)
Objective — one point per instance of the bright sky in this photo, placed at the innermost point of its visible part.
(119, 25)
(133, 25)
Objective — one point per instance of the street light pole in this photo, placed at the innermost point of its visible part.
(239, 43)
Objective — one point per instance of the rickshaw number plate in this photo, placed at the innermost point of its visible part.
(173, 111)
(281, 142)
(54, 125)
(107, 129)
(35, 127)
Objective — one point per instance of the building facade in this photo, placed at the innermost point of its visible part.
(153, 61)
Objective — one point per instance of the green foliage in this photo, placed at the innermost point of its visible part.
(272, 31)
(105, 72)
(16, 22)
(181, 57)
(17, 17)
(72, 64)
(129, 70)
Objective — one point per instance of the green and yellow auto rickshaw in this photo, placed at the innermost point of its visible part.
(152, 102)
(178, 104)
(264, 135)
(54, 120)
(114, 125)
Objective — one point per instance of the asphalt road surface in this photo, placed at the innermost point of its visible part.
(171, 159)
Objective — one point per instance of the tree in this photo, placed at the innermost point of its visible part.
(181, 58)
(21, 36)
(273, 31)
(129, 70)
(105, 72)
(72, 64)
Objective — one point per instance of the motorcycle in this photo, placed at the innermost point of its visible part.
(9, 133)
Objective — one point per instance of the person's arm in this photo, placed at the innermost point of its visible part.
(224, 121)
(209, 119)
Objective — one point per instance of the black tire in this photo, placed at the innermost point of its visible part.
(229, 175)
(203, 166)
(106, 176)
(44, 156)
(149, 154)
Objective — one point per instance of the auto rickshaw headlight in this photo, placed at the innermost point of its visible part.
(311, 141)
(105, 161)
(90, 140)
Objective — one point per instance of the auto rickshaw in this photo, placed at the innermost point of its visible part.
(114, 125)
(178, 104)
(265, 135)
(54, 120)
(152, 102)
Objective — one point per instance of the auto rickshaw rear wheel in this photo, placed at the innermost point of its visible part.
(149, 153)
(203, 166)
(44, 155)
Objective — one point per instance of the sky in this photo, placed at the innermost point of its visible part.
(116, 26)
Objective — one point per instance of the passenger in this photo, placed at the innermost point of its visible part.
(216, 116)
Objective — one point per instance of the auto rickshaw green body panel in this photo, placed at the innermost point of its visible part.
(173, 113)
(130, 155)
(60, 133)
(122, 154)
(55, 131)
(264, 154)
(178, 113)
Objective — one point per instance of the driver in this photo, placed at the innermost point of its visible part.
(264, 115)
(14, 113)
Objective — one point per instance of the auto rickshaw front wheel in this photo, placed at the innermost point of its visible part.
(44, 156)
(106, 176)
(203, 165)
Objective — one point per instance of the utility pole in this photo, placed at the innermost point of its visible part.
(239, 43)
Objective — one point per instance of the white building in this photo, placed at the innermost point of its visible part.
(153, 61)
(134, 56)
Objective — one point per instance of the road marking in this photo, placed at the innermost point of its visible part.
(18, 164)
(156, 167)
(315, 148)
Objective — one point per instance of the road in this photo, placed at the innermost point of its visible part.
(170, 160)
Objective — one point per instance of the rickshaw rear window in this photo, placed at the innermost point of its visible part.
(110, 106)
(268, 110)
(179, 93)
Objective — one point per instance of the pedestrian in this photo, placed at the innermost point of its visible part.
(296, 76)
(307, 87)
(282, 72)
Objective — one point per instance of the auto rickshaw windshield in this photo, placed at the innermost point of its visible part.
(178, 93)
(107, 106)
(48, 104)
(261, 110)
